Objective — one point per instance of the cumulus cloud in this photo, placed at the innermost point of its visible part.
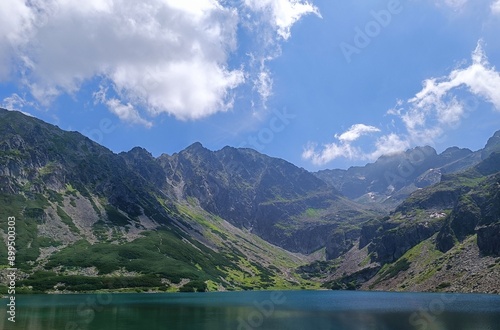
(438, 106)
(355, 132)
(495, 7)
(441, 105)
(283, 14)
(345, 147)
(15, 102)
(163, 55)
(158, 56)
(126, 112)
(270, 22)
(15, 19)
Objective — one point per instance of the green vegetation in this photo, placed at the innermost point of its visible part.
(312, 213)
(66, 219)
(55, 197)
(29, 212)
(392, 270)
(161, 253)
(49, 168)
(100, 230)
(443, 285)
(194, 286)
(116, 217)
(43, 281)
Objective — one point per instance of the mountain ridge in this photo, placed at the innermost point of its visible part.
(233, 218)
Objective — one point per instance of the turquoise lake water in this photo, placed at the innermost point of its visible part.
(256, 310)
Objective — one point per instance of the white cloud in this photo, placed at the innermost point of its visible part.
(437, 107)
(441, 105)
(495, 7)
(15, 19)
(162, 55)
(159, 56)
(15, 102)
(328, 153)
(344, 147)
(355, 132)
(283, 14)
(389, 144)
(126, 112)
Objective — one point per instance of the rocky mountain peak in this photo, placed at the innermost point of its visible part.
(492, 145)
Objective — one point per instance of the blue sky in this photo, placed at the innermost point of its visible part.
(320, 83)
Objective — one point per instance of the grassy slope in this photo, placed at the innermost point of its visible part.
(461, 269)
(164, 259)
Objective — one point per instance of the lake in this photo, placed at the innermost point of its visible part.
(336, 310)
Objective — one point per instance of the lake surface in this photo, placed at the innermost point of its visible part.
(308, 310)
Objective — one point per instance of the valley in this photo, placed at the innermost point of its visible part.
(235, 219)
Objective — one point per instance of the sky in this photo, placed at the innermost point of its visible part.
(319, 83)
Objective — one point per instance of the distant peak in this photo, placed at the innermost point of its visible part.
(140, 151)
(196, 145)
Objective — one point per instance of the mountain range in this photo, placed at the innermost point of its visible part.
(200, 220)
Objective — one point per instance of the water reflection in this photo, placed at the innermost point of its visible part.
(258, 310)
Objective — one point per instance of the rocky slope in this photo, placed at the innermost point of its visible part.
(392, 178)
(231, 218)
(444, 237)
(90, 219)
(269, 197)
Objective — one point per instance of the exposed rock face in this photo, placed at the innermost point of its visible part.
(340, 241)
(493, 145)
(54, 176)
(267, 196)
(391, 245)
(488, 239)
(392, 178)
(394, 175)
(460, 224)
(270, 197)
(242, 185)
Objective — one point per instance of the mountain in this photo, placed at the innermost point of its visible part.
(233, 218)
(392, 178)
(200, 220)
(442, 238)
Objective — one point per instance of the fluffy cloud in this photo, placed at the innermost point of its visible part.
(16, 102)
(15, 19)
(283, 14)
(162, 55)
(345, 147)
(438, 107)
(126, 112)
(495, 7)
(442, 104)
(355, 132)
(156, 56)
